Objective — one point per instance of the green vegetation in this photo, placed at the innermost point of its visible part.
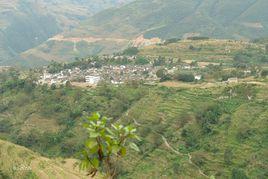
(185, 77)
(106, 145)
(211, 127)
(198, 129)
(53, 107)
(131, 51)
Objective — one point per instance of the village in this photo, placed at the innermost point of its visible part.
(114, 74)
(119, 74)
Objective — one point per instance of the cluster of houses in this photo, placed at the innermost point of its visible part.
(115, 74)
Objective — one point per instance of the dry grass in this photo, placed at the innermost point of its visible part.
(19, 161)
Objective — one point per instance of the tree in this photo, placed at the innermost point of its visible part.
(266, 48)
(131, 51)
(106, 144)
(264, 73)
(185, 77)
(163, 75)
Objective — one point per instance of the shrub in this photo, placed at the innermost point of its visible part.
(131, 51)
(239, 174)
(141, 61)
(3, 175)
(244, 133)
(208, 118)
(185, 77)
(5, 125)
(190, 137)
(163, 75)
(264, 73)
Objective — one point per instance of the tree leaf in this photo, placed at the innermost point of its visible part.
(95, 162)
(134, 146)
(94, 134)
(91, 143)
(115, 149)
(123, 151)
(94, 117)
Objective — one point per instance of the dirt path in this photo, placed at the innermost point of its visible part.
(177, 152)
(61, 38)
(180, 154)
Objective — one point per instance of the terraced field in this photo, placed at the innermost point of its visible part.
(212, 51)
(161, 119)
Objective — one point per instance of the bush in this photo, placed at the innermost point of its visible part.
(264, 73)
(208, 118)
(131, 51)
(141, 61)
(191, 138)
(5, 125)
(3, 175)
(185, 77)
(163, 75)
(239, 174)
(244, 133)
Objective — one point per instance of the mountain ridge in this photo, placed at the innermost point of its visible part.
(161, 19)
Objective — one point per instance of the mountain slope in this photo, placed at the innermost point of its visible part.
(26, 24)
(114, 29)
(168, 120)
(20, 162)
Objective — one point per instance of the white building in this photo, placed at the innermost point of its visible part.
(232, 80)
(93, 80)
(198, 77)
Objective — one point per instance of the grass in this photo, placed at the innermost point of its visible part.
(20, 162)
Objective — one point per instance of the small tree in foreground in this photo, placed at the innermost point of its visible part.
(106, 144)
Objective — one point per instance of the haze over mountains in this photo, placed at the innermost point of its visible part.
(114, 29)
(24, 24)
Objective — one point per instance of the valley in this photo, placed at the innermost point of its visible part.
(194, 129)
(133, 89)
(27, 24)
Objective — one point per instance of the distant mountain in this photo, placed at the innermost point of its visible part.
(177, 18)
(24, 24)
(114, 29)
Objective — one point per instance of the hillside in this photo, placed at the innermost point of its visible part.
(20, 162)
(26, 24)
(214, 51)
(190, 131)
(114, 29)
